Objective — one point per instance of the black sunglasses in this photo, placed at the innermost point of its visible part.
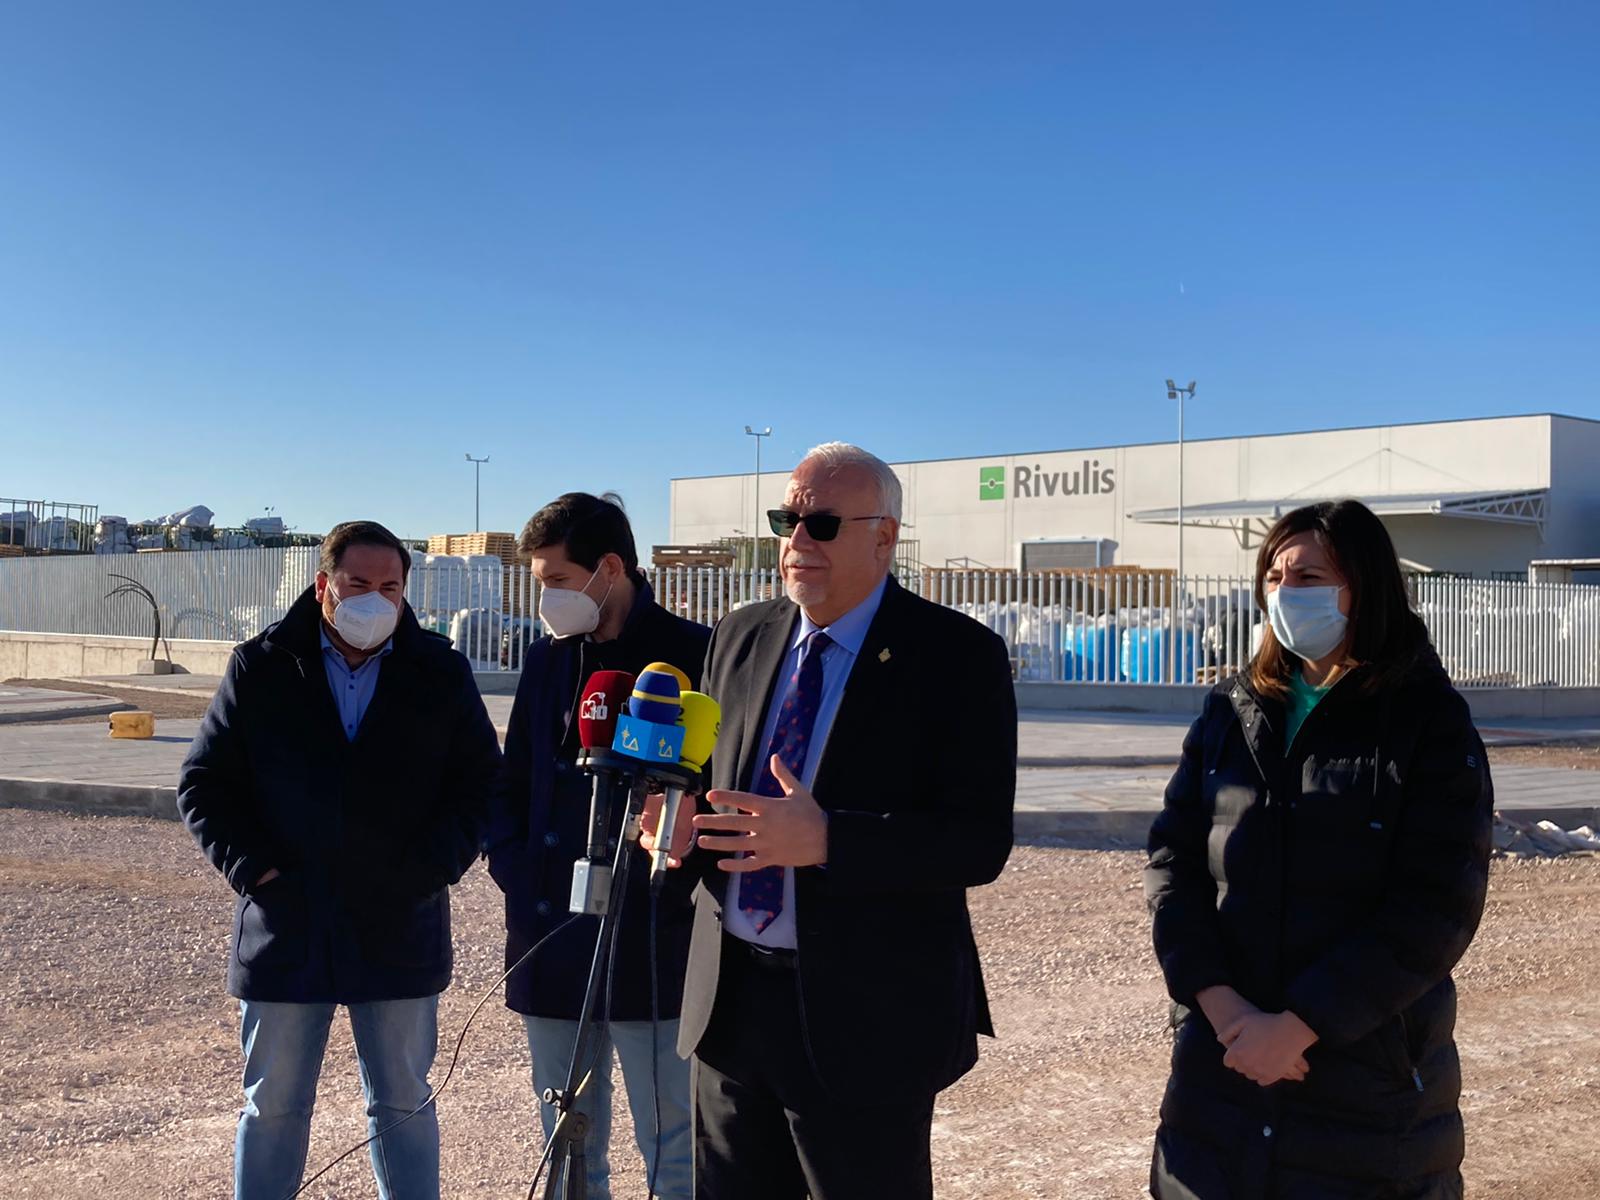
(823, 527)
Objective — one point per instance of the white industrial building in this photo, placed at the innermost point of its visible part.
(1476, 497)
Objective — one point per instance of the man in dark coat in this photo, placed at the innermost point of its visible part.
(864, 781)
(600, 614)
(1340, 883)
(340, 783)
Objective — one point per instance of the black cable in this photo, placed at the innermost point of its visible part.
(655, 1049)
(438, 1091)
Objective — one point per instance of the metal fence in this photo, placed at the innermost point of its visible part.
(47, 524)
(1513, 634)
(1090, 627)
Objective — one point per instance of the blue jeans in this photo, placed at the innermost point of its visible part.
(550, 1044)
(283, 1047)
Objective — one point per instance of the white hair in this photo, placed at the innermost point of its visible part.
(835, 456)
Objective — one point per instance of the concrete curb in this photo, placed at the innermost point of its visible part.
(104, 799)
(1088, 829)
(1123, 828)
(1117, 828)
(103, 706)
(1050, 762)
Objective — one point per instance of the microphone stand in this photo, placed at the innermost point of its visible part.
(569, 1170)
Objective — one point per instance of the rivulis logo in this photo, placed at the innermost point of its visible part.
(991, 483)
(1091, 479)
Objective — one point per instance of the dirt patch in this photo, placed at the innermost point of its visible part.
(119, 1055)
(162, 704)
(1578, 755)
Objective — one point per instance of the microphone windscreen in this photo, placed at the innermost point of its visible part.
(655, 695)
(667, 668)
(600, 706)
(701, 718)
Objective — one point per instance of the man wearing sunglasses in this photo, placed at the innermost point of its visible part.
(864, 779)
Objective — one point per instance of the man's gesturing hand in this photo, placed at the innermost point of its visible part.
(790, 830)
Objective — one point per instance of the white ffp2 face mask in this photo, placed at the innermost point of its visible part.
(1307, 621)
(568, 612)
(365, 621)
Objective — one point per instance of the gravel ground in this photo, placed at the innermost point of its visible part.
(1578, 755)
(119, 1056)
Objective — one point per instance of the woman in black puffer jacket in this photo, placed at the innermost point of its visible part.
(1317, 870)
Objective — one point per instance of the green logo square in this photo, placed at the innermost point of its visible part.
(991, 483)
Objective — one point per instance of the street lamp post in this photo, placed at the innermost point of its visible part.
(477, 491)
(1174, 392)
(755, 529)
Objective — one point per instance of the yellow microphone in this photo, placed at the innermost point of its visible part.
(701, 718)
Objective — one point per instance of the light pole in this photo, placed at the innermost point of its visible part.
(1175, 652)
(477, 491)
(1174, 392)
(755, 530)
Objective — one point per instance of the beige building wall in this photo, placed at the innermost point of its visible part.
(950, 519)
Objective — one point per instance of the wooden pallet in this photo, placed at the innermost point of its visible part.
(7, 550)
(501, 545)
(692, 556)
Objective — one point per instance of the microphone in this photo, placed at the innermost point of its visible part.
(655, 696)
(615, 776)
(649, 730)
(701, 719)
(600, 708)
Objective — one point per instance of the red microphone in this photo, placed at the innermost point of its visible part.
(601, 705)
(615, 775)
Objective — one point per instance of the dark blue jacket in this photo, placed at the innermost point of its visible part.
(539, 823)
(368, 834)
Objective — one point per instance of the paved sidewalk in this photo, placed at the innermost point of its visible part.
(80, 767)
(1046, 737)
(1052, 738)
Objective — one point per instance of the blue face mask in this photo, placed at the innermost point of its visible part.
(1307, 621)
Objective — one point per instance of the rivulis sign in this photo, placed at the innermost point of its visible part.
(1033, 483)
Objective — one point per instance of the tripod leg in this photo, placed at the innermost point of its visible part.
(569, 1177)
(568, 1163)
(578, 1174)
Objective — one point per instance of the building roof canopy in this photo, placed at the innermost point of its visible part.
(1251, 518)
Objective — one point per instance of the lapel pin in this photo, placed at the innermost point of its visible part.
(883, 655)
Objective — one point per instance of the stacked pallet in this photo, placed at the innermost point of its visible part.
(692, 556)
(502, 545)
(498, 545)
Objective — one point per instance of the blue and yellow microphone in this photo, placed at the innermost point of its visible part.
(649, 731)
(657, 692)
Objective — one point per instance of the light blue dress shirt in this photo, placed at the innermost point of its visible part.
(353, 688)
(847, 634)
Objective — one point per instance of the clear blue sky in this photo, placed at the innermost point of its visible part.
(309, 254)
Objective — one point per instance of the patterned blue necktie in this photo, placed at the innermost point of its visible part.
(761, 892)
